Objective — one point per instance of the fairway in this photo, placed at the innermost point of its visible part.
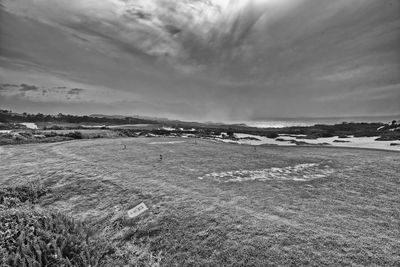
(213, 204)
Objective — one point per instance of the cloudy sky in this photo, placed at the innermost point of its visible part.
(220, 60)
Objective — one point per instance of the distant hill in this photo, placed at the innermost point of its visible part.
(133, 116)
(7, 116)
(170, 122)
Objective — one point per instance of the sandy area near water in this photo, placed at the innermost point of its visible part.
(357, 142)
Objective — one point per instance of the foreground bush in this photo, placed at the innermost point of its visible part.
(30, 236)
(10, 196)
(33, 236)
(38, 238)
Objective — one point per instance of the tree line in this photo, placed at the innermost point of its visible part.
(7, 116)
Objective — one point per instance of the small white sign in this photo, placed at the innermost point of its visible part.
(136, 211)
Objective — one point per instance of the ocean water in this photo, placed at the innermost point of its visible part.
(287, 122)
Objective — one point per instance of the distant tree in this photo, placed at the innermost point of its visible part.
(39, 116)
(272, 135)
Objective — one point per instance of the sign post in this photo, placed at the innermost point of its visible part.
(136, 211)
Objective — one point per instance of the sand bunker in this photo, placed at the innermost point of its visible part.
(299, 172)
(286, 140)
(30, 125)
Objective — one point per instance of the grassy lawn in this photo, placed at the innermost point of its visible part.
(348, 214)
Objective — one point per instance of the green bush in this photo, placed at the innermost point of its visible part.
(21, 193)
(50, 134)
(272, 135)
(75, 135)
(390, 136)
(366, 134)
(55, 127)
(31, 237)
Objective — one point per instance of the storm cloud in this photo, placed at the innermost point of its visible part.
(216, 60)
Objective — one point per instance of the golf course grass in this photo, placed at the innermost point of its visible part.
(220, 204)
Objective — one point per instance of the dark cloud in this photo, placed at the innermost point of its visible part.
(27, 87)
(8, 85)
(42, 93)
(75, 91)
(243, 60)
(172, 29)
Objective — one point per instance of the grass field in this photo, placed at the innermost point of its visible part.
(218, 204)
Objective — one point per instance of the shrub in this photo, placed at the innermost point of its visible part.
(55, 127)
(6, 135)
(33, 236)
(75, 135)
(50, 134)
(26, 134)
(272, 135)
(230, 133)
(36, 238)
(21, 193)
(327, 134)
(391, 136)
(366, 134)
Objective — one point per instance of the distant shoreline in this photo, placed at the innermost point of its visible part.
(309, 122)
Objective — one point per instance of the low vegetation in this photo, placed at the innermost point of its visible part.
(31, 235)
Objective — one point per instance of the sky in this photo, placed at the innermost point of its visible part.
(204, 60)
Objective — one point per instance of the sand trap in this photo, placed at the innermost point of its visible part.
(30, 125)
(167, 143)
(355, 142)
(299, 172)
(128, 125)
(168, 128)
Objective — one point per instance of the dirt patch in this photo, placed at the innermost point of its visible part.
(298, 172)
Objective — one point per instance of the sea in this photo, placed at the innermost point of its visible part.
(288, 122)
